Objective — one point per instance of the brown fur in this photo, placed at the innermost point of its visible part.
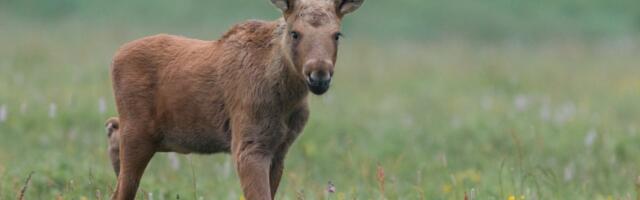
(244, 94)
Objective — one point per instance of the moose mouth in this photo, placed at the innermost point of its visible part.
(318, 87)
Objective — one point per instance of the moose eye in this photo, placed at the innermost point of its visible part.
(337, 36)
(295, 35)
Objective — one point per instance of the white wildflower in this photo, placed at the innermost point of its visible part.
(174, 161)
(331, 188)
(52, 110)
(590, 138)
(545, 112)
(102, 105)
(569, 172)
(226, 170)
(521, 102)
(3, 113)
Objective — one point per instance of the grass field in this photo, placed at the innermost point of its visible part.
(405, 119)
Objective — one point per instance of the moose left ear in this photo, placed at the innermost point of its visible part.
(283, 5)
(347, 6)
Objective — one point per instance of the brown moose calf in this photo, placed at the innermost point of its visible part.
(245, 93)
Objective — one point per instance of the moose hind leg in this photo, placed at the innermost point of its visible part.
(113, 135)
(135, 154)
(115, 160)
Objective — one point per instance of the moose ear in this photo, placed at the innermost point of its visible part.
(283, 5)
(347, 6)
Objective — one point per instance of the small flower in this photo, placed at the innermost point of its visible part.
(591, 137)
(472, 194)
(380, 176)
(569, 172)
(174, 161)
(446, 188)
(331, 188)
(513, 197)
(521, 102)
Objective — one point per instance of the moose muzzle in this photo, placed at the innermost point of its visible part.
(319, 76)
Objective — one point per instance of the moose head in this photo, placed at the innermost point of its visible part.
(312, 36)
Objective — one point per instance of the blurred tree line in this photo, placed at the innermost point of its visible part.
(490, 20)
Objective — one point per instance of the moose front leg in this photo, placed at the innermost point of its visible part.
(252, 166)
(275, 172)
(253, 147)
(295, 125)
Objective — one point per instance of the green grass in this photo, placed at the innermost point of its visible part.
(550, 120)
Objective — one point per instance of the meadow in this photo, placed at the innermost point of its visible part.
(500, 111)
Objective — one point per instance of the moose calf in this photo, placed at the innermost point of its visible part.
(245, 93)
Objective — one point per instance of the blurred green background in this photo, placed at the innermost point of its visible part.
(438, 99)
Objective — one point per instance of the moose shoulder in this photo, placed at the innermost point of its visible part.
(244, 93)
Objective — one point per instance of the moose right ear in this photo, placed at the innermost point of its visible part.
(283, 5)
